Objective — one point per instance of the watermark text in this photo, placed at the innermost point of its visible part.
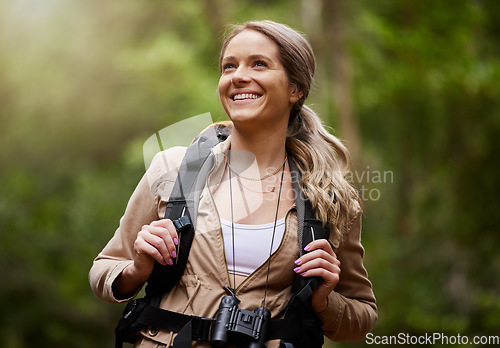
(430, 338)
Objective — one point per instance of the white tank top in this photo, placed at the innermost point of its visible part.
(251, 244)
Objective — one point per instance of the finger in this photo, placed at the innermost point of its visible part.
(153, 237)
(317, 254)
(322, 244)
(166, 223)
(318, 263)
(169, 226)
(143, 247)
(168, 234)
(330, 279)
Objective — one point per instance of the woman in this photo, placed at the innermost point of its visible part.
(247, 208)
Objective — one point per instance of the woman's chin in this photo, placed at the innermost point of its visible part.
(243, 117)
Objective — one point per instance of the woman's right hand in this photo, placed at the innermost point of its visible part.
(155, 242)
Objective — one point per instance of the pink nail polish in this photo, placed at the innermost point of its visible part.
(296, 269)
(174, 254)
(170, 262)
(303, 274)
(307, 248)
(297, 261)
(176, 242)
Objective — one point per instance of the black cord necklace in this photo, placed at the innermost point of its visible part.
(274, 227)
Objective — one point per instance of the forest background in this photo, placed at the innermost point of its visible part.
(411, 86)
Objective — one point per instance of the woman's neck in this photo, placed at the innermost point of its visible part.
(257, 153)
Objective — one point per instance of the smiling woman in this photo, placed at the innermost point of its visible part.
(278, 161)
(254, 87)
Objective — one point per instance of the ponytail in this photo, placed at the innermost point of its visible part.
(324, 162)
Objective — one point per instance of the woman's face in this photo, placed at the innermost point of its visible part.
(254, 88)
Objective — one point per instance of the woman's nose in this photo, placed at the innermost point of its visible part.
(240, 76)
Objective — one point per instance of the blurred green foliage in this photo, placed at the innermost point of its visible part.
(84, 83)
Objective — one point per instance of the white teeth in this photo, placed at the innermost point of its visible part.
(245, 96)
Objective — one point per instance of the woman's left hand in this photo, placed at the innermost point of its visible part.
(320, 262)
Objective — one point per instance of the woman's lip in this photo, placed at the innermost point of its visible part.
(250, 94)
(243, 101)
(246, 96)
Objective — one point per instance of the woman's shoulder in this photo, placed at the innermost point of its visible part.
(163, 170)
(356, 208)
(354, 212)
(167, 159)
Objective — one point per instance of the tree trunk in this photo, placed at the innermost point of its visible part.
(341, 75)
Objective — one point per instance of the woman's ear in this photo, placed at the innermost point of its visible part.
(295, 93)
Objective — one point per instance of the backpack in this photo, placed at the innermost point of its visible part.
(300, 326)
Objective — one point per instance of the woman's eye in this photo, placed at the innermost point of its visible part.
(228, 66)
(260, 63)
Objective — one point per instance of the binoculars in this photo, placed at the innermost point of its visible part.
(239, 326)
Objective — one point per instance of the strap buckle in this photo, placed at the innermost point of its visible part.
(182, 223)
(202, 328)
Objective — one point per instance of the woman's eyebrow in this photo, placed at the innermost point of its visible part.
(252, 56)
(259, 56)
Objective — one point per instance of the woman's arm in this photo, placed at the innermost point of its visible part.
(352, 310)
(155, 242)
(344, 301)
(125, 263)
(118, 254)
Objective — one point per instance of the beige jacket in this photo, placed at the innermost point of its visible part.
(351, 311)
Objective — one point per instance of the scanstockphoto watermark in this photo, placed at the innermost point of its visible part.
(368, 182)
(431, 338)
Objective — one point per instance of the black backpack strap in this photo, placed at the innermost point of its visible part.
(299, 201)
(299, 308)
(313, 228)
(182, 206)
(309, 228)
(192, 328)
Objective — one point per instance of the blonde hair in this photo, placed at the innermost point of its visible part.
(320, 156)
